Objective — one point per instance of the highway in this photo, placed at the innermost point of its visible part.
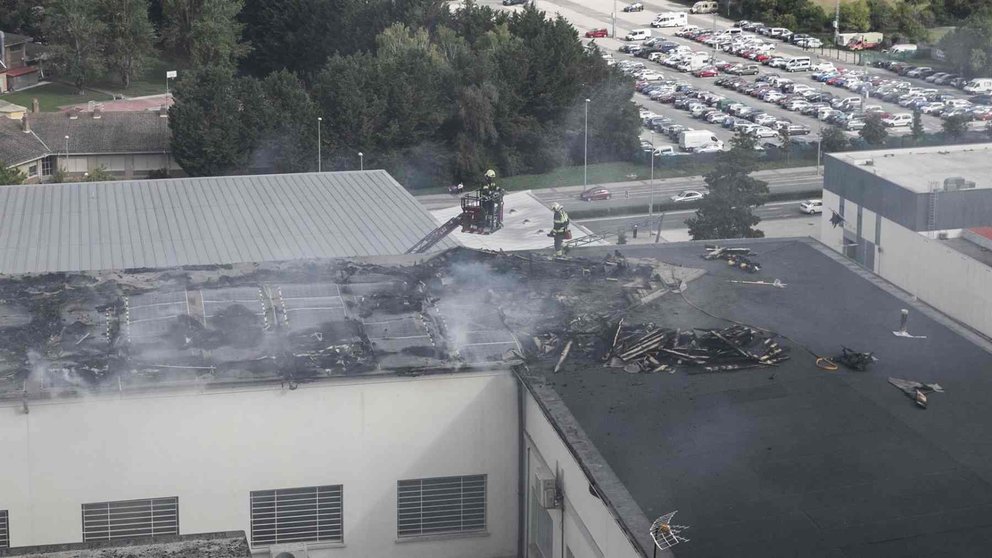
(677, 219)
(640, 192)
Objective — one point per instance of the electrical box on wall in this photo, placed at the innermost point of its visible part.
(550, 498)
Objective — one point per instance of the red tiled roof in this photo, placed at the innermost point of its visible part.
(982, 231)
(23, 70)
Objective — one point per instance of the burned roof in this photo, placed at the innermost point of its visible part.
(231, 544)
(279, 322)
(785, 459)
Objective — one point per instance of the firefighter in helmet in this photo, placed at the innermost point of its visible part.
(560, 230)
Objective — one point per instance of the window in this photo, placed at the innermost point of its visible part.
(130, 518)
(297, 514)
(33, 170)
(46, 166)
(441, 505)
(4, 530)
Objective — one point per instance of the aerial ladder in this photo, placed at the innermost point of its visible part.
(480, 215)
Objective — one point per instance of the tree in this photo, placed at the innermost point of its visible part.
(855, 16)
(786, 138)
(129, 37)
(882, 16)
(874, 131)
(75, 30)
(11, 175)
(212, 133)
(917, 128)
(955, 126)
(22, 16)
(204, 32)
(726, 212)
(833, 139)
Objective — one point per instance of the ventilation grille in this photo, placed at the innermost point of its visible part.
(297, 515)
(441, 505)
(131, 518)
(4, 530)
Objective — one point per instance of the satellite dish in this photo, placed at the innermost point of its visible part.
(285, 555)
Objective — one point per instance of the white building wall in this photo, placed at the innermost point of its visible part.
(830, 235)
(590, 530)
(212, 447)
(944, 278)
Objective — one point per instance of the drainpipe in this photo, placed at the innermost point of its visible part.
(522, 453)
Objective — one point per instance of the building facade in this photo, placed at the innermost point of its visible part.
(906, 215)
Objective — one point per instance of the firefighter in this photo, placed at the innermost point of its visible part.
(560, 230)
(488, 196)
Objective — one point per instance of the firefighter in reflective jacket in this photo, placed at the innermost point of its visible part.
(560, 230)
(487, 194)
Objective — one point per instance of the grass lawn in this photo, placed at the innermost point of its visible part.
(150, 81)
(52, 96)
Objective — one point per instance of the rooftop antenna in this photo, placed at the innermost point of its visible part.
(665, 535)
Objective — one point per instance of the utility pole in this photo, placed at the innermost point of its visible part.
(836, 22)
(585, 151)
(319, 120)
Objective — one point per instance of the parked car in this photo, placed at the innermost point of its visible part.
(762, 132)
(897, 120)
(811, 207)
(596, 193)
(513, 2)
(687, 196)
(635, 7)
(706, 72)
(597, 33)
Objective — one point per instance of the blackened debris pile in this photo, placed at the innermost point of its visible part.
(701, 350)
(740, 258)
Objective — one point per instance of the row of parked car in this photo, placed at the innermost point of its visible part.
(929, 75)
(904, 93)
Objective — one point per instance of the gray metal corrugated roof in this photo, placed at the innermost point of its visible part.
(203, 221)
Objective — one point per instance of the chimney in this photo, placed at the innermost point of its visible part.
(35, 106)
(73, 114)
(163, 111)
(25, 124)
(97, 112)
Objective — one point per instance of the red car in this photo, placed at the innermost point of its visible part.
(706, 72)
(597, 33)
(596, 193)
(763, 57)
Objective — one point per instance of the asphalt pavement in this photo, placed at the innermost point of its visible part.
(591, 14)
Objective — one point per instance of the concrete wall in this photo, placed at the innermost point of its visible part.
(937, 274)
(211, 448)
(590, 530)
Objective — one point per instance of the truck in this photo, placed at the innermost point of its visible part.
(863, 39)
(694, 139)
(670, 19)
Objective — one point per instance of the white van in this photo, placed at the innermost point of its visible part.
(670, 19)
(638, 35)
(980, 85)
(902, 49)
(704, 8)
(797, 64)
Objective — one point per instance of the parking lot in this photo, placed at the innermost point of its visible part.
(595, 14)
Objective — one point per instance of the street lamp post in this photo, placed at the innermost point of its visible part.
(361, 161)
(614, 19)
(651, 207)
(585, 150)
(713, 57)
(319, 120)
(67, 155)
